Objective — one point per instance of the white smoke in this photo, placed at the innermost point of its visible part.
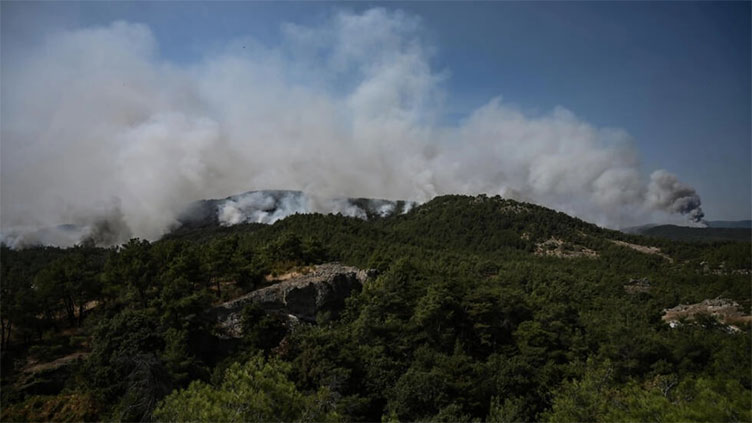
(271, 206)
(260, 207)
(408, 206)
(385, 209)
(104, 225)
(62, 235)
(349, 108)
(345, 208)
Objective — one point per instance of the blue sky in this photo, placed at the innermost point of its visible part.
(674, 75)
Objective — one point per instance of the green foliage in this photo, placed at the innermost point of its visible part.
(462, 322)
(261, 330)
(596, 397)
(118, 343)
(508, 411)
(134, 269)
(256, 391)
(74, 407)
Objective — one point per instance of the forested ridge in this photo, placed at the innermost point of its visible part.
(680, 233)
(480, 309)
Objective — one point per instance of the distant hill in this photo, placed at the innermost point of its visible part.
(268, 206)
(499, 218)
(684, 233)
(730, 224)
(717, 230)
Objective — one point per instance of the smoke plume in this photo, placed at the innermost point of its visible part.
(259, 207)
(666, 192)
(348, 108)
(271, 206)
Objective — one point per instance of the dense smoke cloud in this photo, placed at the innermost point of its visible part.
(270, 206)
(257, 207)
(349, 108)
(666, 192)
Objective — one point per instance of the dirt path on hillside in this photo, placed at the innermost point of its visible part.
(643, 249)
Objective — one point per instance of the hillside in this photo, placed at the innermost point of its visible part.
(474, 308)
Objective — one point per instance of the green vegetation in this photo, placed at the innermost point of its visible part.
(467, 320)
(252, 392)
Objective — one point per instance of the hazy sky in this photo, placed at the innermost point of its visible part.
(673, 77)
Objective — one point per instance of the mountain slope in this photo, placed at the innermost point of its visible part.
(478, 307)
(488, 227)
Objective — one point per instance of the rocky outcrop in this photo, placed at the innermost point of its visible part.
(559, 248)
(643, 249)
(325, 288)
(726, 311)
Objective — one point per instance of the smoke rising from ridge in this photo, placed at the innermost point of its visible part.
(666, 192)
(350, 108)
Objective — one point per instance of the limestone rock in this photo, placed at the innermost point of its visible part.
(301, 297)
(726, 311)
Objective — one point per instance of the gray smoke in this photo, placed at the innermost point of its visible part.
(349, 108)
(666, 192)
(260, 207)
(106, 229)
(103, 227)
(61, 235)
(271, 206)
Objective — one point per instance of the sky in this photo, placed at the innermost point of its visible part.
(671, 80)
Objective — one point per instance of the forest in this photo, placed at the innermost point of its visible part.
(480, 309)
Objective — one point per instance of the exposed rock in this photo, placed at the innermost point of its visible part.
(726, 311)
(722, 270)
(643, 249)
(558, 248)
(325, 288)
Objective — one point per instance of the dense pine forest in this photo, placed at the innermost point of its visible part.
(477, 309)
